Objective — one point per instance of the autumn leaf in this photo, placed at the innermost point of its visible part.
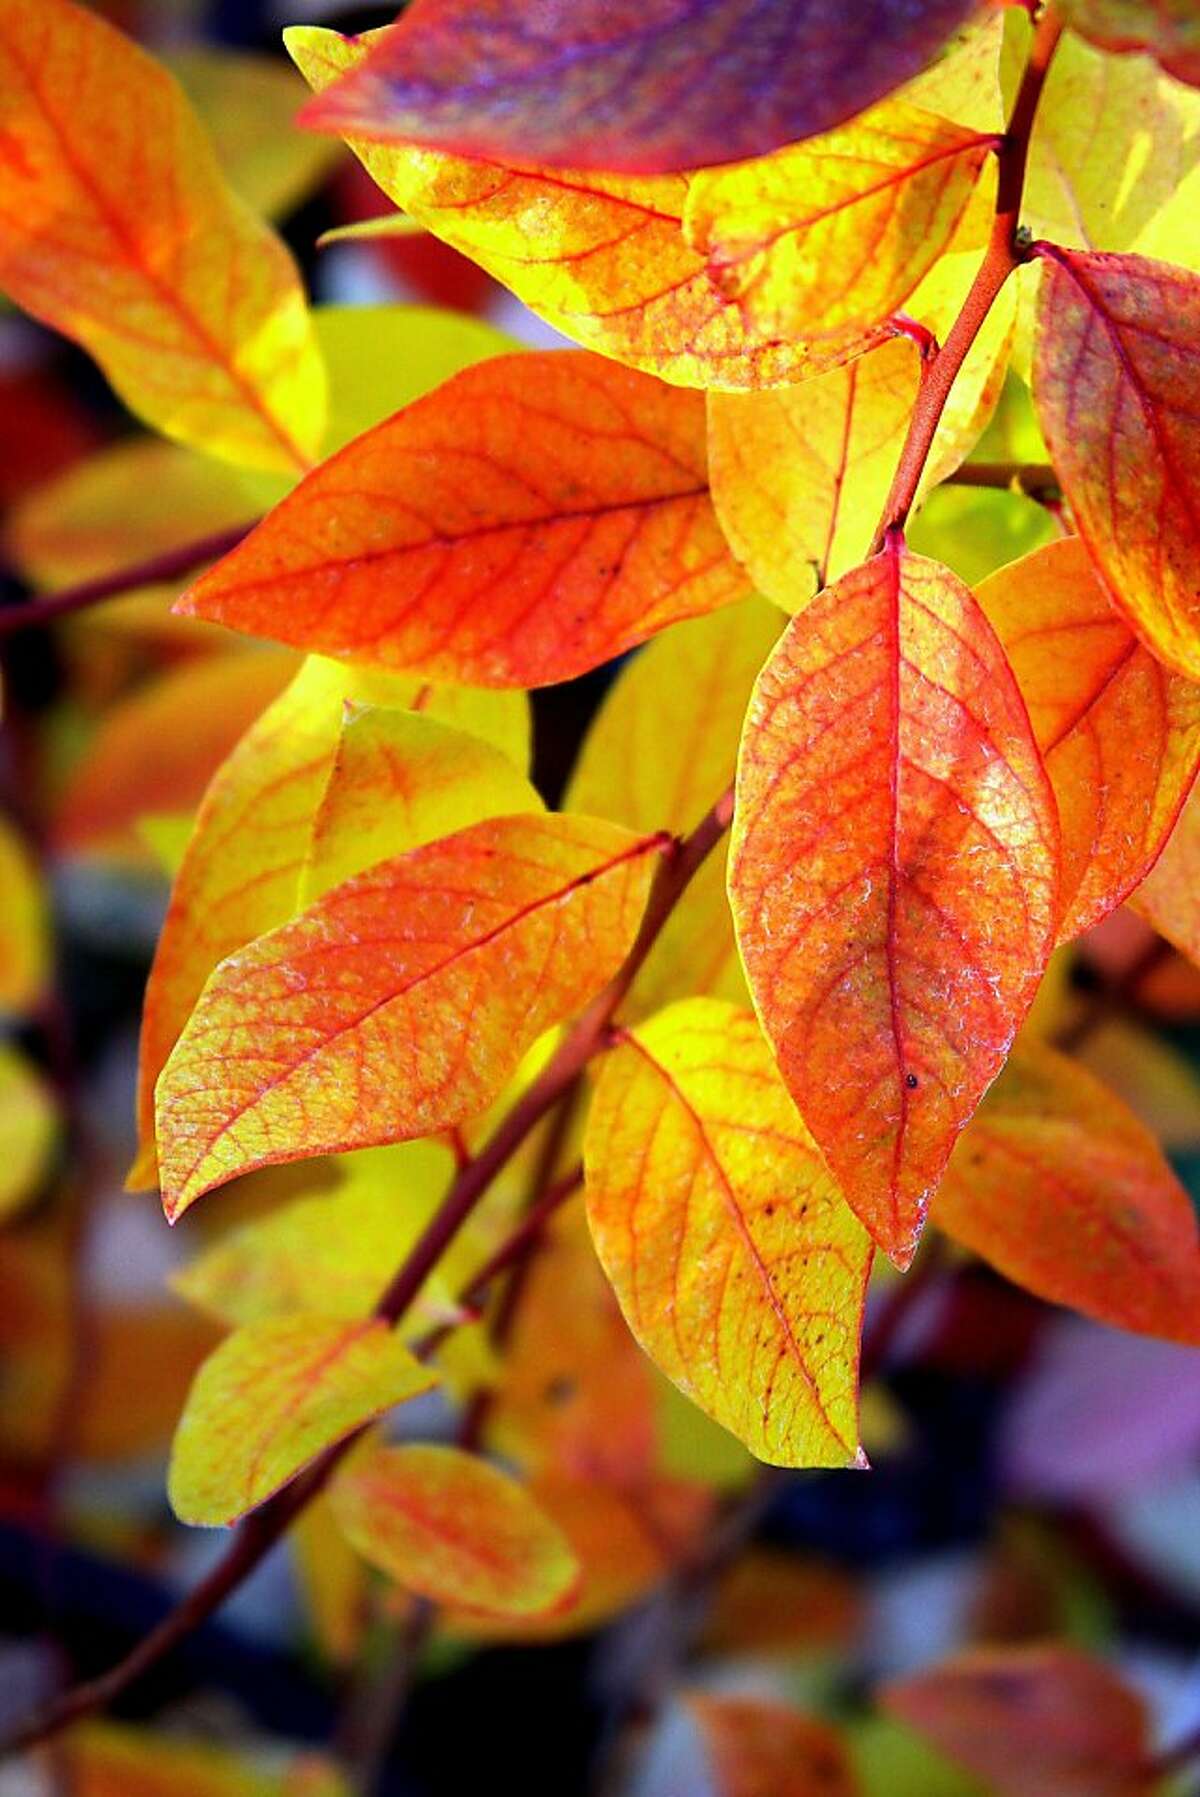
(1061, 1187)
(1116, 381)
(893, 874)
(1031, 1720)
(272, 1397)
(826, 240)
(1092, 692)
(613, 269)
(451, 1527)
(646, 87)
(1170, 897)
(24, 940)
(534, 517)
(394, 1007)
(738, 1266)
(119, 231)
(241, 872)
(1169, 31)
(28, 1130)
(103, 1760)
(754, 1746)
(661, 747)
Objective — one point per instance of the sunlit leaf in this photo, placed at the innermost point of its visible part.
(120, 232)
(248, 104)
(738, 1266)
(825, 240)
(117, 781)
(535, 516)
(754, 1746)
(453, 1528)
(24, 938)
(893, 874)
(613, 269)
(651, 86)
(1170, 31)
(1170, 897)
(241, 873)
(1031, 1720)
(272, 1397)
(1062, 1189)
(660, 749)
(395, 1006)
(1094, 693)
(28, 1128)
(1117, 384)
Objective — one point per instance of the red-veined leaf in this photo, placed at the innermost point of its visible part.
(271, 1398)
(737, 1264)
(452, 1528)
(1058, 1185)
(1117, 386)
(118, 230)
(893, 874)
(537, 515)
(401, 1002)
(1119, 732)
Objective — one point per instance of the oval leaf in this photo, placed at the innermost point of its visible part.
(754, 1747)
(453, 1529)
(28, 1129)
(1117, 386)
(119, 231)
(831, 237)
(1058, 1185)
(893, 874)
(647, 85)
(401, 1002)
(271, 1398)
(1119, 732)
(537, 515)
(737, 1264)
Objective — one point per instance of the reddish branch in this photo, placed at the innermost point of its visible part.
(172, 564)
(259, 1532)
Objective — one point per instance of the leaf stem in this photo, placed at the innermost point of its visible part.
(258, 1532)
(1004, 253)
(1036, 480)
(155, 569)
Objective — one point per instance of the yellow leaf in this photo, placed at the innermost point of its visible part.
(28, 1127)
(25, 929)
(101, 1760)
(249, 103)
(613, 269)
(241, 872)
(662, 746)
(333, 1580)
(401, 1002)
(271, 1398)
(119, 231)
(452, 1528)
(738, 1265)
(825, 240)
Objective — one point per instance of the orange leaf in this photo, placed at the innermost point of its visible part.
(1031, 1721)
(738, 1266)
(893, 874)
(1061, 1187)
(613, 269)
(1170, 898)
(824, 241)
(193, 716)
(1119, 732)
(1117, 385)
(401, 1002)
(118, 230)
(271, 1398)
(450, 1527)
(755, 1747)
(1169, 31)
(101, 1760)
(535, 516)
(645, 85)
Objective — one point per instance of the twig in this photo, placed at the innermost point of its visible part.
(170, 565)
(1036, 480)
